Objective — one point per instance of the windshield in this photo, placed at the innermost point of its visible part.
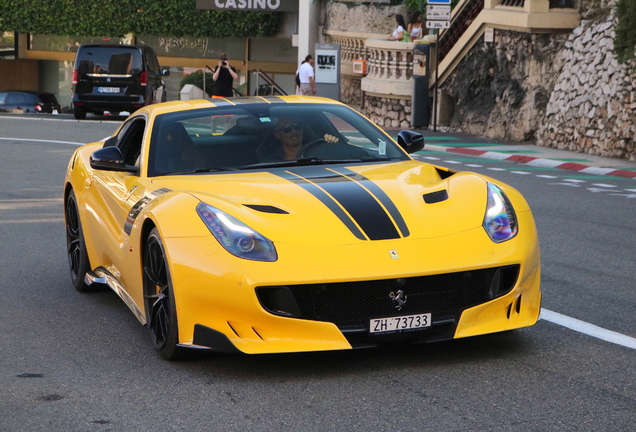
(260, 136)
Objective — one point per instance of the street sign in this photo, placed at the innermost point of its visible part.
(444, 2)
(437, 24)
(438, 12)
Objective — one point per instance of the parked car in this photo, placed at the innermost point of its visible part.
(288, 224)
(28, 102)
(116, 78)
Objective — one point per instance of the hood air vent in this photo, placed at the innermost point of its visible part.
(266, 208)
(435, 197)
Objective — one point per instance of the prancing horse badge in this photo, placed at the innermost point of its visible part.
(394, 254)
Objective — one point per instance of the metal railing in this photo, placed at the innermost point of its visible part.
(562, 4)
(459, 25)
(269, 88)
(515, 3)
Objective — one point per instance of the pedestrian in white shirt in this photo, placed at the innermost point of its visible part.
(306, 74)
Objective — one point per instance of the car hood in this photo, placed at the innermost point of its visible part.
(335, 204)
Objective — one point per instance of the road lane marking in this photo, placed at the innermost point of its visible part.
(547, 176)
(46, 141)
(588, 329)
(603, 185)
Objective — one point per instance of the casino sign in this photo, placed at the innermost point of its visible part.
(249, 5)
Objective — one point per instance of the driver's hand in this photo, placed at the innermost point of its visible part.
(330, 138)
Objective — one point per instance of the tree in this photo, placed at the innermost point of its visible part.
(625, 41)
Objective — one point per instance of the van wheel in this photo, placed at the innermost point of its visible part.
(79, 113)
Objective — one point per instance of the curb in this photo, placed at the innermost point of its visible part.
(538, 162)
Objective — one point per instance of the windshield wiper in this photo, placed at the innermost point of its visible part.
(300, 162)
(201, 170)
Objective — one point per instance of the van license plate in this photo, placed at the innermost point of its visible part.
(108, 89)
(408, 322)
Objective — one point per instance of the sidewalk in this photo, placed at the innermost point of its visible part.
(528, 154)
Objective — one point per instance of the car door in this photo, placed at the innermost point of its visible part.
(16, 101)
(114, 195)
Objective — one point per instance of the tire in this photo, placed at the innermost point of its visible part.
(79, 113)
(75, 247)
(161, 315)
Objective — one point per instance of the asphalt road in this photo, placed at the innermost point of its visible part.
(82, 362)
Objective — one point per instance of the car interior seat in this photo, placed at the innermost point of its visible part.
(176, 151)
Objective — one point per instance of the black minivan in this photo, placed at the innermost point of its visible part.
(116, 78)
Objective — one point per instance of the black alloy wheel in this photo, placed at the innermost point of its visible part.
(161, 316)
(76, 249)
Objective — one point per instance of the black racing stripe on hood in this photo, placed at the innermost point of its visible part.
(380, 195)
(356, 200)
(326, 200)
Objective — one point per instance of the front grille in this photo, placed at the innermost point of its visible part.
(350, 305)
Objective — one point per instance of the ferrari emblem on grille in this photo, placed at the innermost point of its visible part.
(399, 299)
(393, 254)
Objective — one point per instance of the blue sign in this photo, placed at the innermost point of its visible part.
(447, 2)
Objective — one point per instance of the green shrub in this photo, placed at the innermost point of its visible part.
(196, 78)
(141, 17)
(625, 41)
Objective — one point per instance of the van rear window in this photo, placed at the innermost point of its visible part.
(111, 61)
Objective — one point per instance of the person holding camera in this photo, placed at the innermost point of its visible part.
(224, 76)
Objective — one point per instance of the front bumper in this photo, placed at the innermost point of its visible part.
(222, 305)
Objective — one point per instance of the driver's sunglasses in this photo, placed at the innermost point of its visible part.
(294, 126)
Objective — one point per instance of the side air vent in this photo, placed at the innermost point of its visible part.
(266, 208)
(435, 197)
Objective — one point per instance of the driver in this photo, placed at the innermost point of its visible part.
(290, 133)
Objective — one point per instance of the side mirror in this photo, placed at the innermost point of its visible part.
(410, 141)
(165, 72)
(111, 159)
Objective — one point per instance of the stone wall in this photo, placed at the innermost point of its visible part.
(350, 91)
(501, 90)
(362, 18)
(565, 91)
(388, 112)
(593, 106)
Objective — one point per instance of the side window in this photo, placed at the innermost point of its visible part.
(151, 61)
(130, 139)
(16, 98)
(3, 96)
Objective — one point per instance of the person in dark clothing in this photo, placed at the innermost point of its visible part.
(224, 76)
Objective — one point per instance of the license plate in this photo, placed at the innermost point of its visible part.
(407, 322)
(108, 89)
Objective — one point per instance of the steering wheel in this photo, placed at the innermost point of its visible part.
(311, 145)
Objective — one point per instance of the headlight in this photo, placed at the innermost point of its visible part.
(235, 236)
(500, 221)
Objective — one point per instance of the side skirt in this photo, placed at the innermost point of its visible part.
(102, 276)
